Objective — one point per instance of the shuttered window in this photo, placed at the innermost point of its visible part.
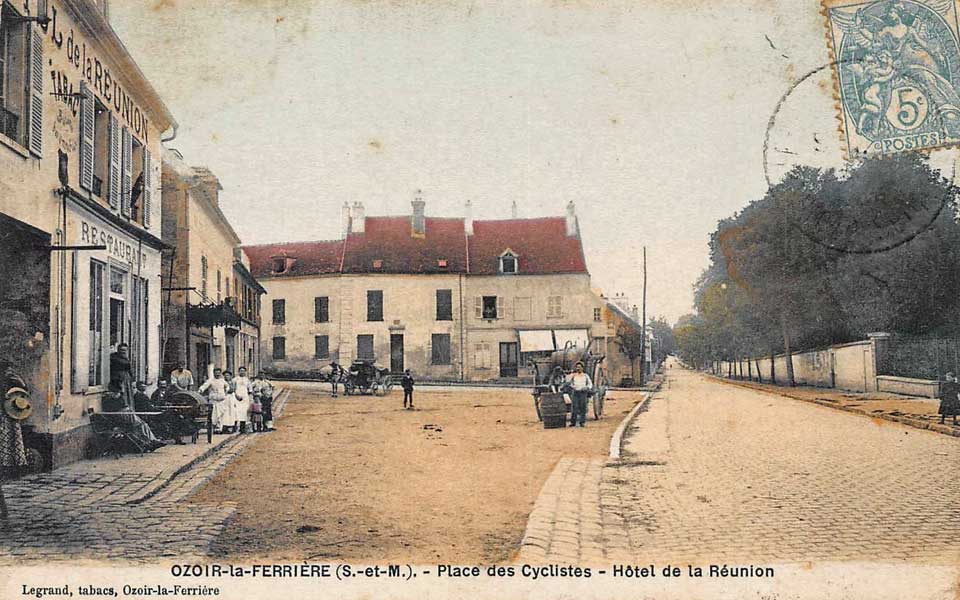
(374, 305)
(488, 307)
(35, 135)
(481, 355)
(321, 345)
(87, 116)
(113, 168)
(321, 309)
(365, 347)
(440, 349)
(444, 305)
(126, 171)
(148, 191)
(279, 348)
(279, 311)
(555, 307)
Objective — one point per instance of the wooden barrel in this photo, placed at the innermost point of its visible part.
(554, 410)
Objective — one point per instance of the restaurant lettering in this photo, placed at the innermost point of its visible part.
(116, 246)
(98, 76)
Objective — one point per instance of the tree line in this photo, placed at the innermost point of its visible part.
(825, 257)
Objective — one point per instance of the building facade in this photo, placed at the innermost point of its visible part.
(80, 153)
(452, 299)
(212, 302)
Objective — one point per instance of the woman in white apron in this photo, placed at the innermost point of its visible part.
(216, 388)
(243, 402)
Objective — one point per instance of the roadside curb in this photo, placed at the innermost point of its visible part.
(216, 449)
(908, 421)
(616, 442)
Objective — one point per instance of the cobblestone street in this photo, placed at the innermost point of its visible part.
(130, 509)
(719, 473)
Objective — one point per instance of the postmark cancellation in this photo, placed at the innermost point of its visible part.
(897, 73)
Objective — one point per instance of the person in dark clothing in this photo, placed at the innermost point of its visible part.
(949, 398)
(336, 371)
(121, 386)
(158, 397)
(142, 402)
(406, 382)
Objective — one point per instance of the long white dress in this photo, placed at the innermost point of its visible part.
(222, 403)
(244, 402)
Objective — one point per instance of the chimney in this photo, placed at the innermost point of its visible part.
(418, 221)
(468, 218)
(208, 183)
(358, 220)
(513, 210)
(571, 220)
(345, 219)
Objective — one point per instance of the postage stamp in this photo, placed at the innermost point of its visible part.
(897, 69)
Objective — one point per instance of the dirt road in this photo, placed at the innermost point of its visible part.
(360, 478)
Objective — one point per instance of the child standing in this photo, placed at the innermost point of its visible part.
(407, 384)
(256, 414)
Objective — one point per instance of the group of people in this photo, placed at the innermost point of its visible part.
(239, 403)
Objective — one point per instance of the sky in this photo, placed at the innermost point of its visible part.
(650, 116)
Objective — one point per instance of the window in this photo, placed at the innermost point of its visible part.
(321, 345)
(279, 264)
(204, 270)
(522, 309)
(101, 149)
(554, 307)
(219, 286)
(508, 263)
(96, 323)
(21, 80)
(118, 307)
(365, 347)
(279, 348)
(321, 309)
(226, 286)
(440, 353)
(597, 315)
(444, 305)
(374, 305)
(488, 307)
(280, 311)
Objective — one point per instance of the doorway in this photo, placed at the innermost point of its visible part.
(509, 353)
(396, 353)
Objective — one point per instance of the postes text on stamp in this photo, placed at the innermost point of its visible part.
(897, 66)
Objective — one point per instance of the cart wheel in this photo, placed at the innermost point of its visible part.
(388, 386)
(348, 388)
(600, 394)
(536, 405)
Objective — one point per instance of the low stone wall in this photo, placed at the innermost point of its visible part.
(844, 366)
(908, 386)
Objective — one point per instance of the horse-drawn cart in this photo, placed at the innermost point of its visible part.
(550, 377)
(365, 377)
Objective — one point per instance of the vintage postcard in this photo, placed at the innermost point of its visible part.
(479, 299)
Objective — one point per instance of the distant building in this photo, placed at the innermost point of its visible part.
(618, 324)
(80, 249)
(212, 302)
(449, 298)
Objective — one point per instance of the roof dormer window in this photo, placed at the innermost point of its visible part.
(509, 265)
(442, 263)
(281, 264)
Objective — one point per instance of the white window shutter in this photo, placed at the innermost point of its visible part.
(147, 195)
(479, 307)
(86, 137)
(127, 171)
(500, 308)
(559, 306)
(114, 174)
(35, 130)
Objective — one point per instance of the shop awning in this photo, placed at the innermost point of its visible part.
(577, 337)
(221, 315)
(536, 340)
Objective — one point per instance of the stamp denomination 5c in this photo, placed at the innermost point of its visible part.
(897, 67)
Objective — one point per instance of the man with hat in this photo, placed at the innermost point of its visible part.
(580, 386)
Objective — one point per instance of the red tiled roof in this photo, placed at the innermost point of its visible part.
(387, 246)
(310, 258)
(388, 240)
(542, 245)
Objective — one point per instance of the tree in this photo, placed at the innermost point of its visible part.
(631, 342)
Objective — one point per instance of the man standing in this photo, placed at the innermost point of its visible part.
(407, 384)
(335, 373)
(949, 398)
(182, 378)
(580, 386)
(216, 389)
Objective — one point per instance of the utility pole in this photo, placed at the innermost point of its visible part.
(643, 324)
